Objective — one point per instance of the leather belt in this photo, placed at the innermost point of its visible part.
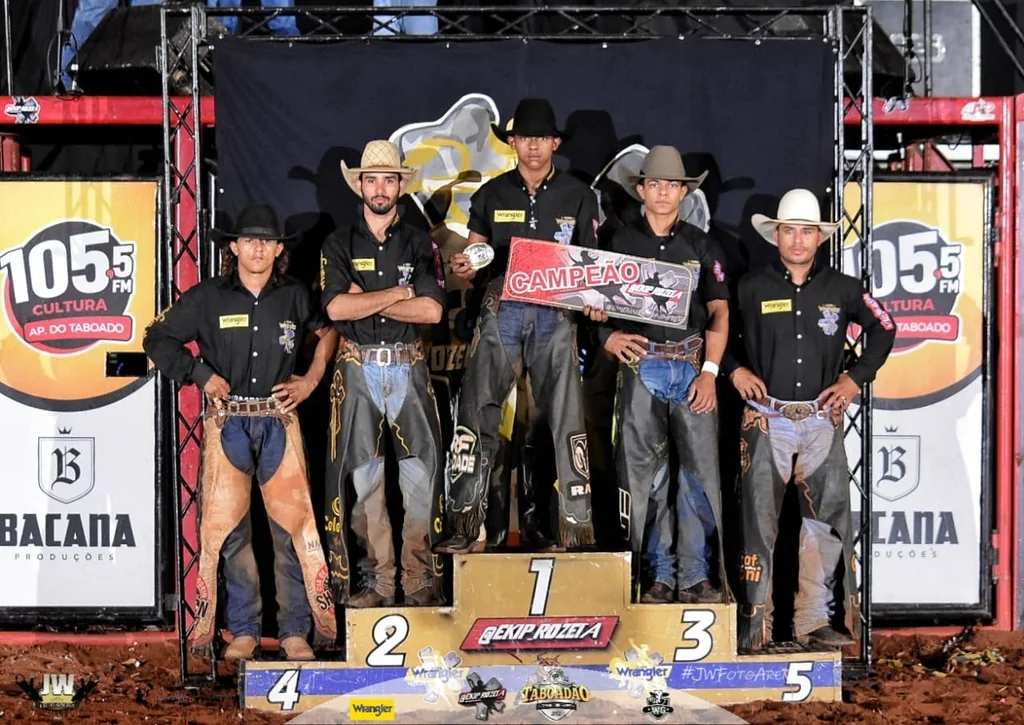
(794, 410)
(400, 353)
(688, 350)
(247, 408)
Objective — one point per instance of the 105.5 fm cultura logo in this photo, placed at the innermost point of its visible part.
(916, 275)
(69, 287)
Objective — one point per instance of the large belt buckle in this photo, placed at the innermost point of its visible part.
(797, 411)
(381, 350)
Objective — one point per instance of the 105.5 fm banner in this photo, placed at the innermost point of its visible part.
(78, 485)
(931, 423)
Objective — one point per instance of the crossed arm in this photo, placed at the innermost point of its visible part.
(396, 303)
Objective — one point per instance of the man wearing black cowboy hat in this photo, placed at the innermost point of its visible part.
(535, 201)
(249, 324)
(666, 397)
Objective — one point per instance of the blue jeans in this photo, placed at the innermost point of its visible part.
(407, 25)
(256, 447)
(669, 381)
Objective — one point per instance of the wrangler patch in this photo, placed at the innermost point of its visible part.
(509, 216)
(364, 265)
(769, 307)
(229, 321)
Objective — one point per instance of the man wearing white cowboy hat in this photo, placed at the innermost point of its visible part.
(790, 370)
(666, 397)
(382, 281)
(537, 201)
(250, 323)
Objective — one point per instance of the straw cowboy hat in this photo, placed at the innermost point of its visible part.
(665, 164)
(257, 221)
(379, 157)
(798, 206)
(533, 117)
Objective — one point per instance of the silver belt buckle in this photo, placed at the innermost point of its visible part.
(381, 350)
(800, 411)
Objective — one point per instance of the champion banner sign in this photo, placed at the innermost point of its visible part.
(632, 288)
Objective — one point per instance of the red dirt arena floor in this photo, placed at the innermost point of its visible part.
(975, 677)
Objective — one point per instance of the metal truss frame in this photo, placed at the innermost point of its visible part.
(848, 29)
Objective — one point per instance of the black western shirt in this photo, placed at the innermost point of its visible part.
(406, 257)
(563, 210)
(793, 337)
(685, 245)
(251, 341)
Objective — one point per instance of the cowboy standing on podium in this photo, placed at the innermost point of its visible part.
(382, 281)
(790, 370)
(250, 323)
(667, 397)
(513, 339)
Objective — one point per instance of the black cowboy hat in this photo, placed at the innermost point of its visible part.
(533, 117)
(257, 221)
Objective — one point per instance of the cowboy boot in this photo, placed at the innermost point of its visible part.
(530, 533)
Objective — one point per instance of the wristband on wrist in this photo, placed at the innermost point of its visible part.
(710, 367)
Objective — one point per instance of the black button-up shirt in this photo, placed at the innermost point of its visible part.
(793, 337)
(685, 245)
(405, 257)
(252, 342)
(564, 210)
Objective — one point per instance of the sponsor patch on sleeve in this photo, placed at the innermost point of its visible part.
(769, 307)
(878, 312)
(509, 216)
(229, 321)
(364, 264)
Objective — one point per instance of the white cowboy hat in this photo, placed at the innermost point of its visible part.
(798, 206)
(379, 157)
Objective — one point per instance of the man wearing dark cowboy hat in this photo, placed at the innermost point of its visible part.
(536, 201)
(666, 397)
(250, 323)
(382, 281)
(790, 368)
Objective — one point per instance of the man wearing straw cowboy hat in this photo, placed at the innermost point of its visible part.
(535, 201)
(790, 371)
(382, 280)
(250, 323)
(666, 397)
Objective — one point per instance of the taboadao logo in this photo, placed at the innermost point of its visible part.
(927, 273)
(74, 286)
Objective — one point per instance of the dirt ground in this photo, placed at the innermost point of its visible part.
(971, 679)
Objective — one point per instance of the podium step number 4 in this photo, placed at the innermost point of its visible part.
(540, 638)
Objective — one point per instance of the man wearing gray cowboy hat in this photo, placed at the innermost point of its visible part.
(537, 201)
(382, 281)
(790, 369)
(666, 397)
(250, 323)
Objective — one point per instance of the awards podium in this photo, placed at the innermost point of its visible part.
(539, 638)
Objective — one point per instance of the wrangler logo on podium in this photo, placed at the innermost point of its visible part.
(522, 640)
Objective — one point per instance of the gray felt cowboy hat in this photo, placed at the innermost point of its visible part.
(665, 164)
(379, 157)
(257, 221)
(800, 207)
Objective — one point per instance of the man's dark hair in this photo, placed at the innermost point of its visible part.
(229, 262)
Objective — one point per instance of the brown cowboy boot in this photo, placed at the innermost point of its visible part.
(297, 649)
(241, 648)
(370, 598)
(424, 597)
